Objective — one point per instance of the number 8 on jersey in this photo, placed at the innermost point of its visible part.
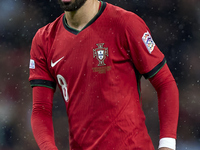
(62, 82)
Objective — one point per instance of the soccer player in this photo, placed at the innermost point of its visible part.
(96, 53)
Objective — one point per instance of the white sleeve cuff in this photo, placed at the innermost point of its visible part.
(167, 142)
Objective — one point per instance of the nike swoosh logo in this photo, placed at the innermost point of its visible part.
(53, 64)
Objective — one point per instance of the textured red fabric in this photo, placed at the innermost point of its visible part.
(41, 119)
(168, 101)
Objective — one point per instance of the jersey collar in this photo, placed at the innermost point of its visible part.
(74, 31)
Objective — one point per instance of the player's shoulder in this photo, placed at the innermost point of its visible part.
(120, 13)
(50, 28)
(124, 16)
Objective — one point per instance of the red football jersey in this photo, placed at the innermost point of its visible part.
(98, 71)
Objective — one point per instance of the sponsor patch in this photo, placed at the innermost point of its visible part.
(32, 64)
(148, 41)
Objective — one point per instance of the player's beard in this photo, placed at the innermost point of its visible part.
(71, 6)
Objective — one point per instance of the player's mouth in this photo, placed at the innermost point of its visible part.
(66, 1)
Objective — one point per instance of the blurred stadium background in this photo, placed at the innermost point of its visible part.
(175, 27)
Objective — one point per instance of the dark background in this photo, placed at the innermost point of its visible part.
(175, 27)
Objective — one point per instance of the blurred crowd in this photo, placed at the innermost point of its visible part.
(175, 27)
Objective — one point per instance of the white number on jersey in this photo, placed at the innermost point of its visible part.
(62, 82)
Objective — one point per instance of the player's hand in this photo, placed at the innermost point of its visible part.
(164, 148)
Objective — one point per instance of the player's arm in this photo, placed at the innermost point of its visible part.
(168, 106)
(41, 119)
(148, 59)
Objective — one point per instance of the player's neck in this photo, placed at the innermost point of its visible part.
(80, 18)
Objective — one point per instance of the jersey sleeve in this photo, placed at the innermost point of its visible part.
(145, 54)
(41, 118)
(38, 68)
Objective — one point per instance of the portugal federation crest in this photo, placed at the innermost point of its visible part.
(100, 53)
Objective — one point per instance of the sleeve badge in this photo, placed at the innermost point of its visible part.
(32, 64)
(148, 41)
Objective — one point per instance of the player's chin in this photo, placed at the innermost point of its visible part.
(66, 3)
(64, 6)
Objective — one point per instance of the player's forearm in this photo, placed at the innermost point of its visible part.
(41, 119)
(168, 114)
(42, 127)
(168, 105)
